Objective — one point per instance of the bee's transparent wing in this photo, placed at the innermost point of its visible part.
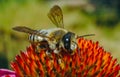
(28, 30)
(85, 35)
(56, 16)
(24, 29)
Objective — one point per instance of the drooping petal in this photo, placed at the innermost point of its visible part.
(8, 73)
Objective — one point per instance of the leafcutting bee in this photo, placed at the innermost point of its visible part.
(53, 39)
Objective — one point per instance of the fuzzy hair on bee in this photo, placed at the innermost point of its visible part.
(54, 39)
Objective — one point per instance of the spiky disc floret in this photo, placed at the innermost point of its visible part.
(90, 61)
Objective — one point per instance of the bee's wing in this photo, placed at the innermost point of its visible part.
(24, 29)
(56, 16)
(28, 30)
(86, 35)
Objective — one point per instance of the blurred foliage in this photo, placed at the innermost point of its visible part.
(81, 17)
(107, 12)
(3, 61)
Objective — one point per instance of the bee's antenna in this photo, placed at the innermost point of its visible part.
(86, 35)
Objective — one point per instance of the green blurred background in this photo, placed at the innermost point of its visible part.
(99, 17)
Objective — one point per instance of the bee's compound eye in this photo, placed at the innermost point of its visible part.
(67, 40)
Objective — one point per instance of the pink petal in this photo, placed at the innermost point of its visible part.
(7, 73)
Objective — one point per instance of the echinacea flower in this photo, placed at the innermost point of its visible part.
(89, 60)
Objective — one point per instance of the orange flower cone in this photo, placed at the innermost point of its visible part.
(89, 60)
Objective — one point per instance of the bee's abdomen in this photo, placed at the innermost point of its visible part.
(35, 38)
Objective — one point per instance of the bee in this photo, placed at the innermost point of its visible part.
(53, 39)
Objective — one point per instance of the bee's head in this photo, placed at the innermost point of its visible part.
(69, 41)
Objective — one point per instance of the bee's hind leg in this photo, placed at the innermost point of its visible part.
(57, 50)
